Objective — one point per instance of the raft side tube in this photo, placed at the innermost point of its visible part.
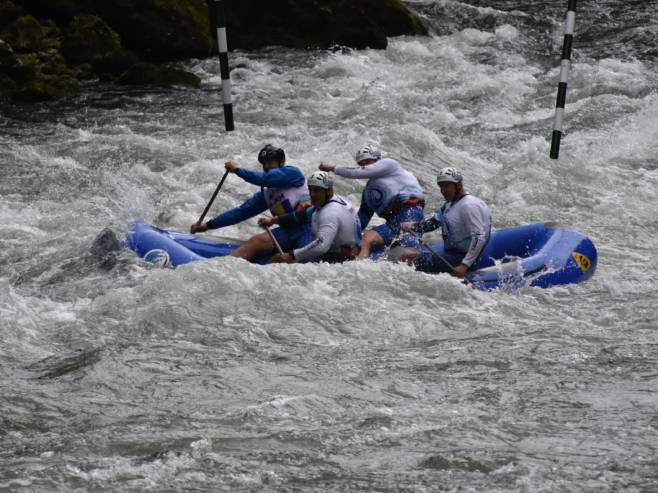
(158, 247)
(542, 254)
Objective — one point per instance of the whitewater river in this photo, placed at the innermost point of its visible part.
(225, 376)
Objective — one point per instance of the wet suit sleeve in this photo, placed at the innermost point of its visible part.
(255, 205)
(296, 218)
(365, 212)
(381, 168)
(327, 230)
(288, 176)
(477, 223)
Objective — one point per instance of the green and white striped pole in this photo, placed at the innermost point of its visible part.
(220, 28)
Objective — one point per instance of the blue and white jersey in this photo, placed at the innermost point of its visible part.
(283, 190)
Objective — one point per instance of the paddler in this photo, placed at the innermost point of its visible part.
(465, 223)
(334, 222)
(283, 190)
(391, 192)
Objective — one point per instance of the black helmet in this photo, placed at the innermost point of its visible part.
(271, 153)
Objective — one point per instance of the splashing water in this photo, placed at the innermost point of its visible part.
(222, 375)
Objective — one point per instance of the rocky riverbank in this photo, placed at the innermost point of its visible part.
(47, 49)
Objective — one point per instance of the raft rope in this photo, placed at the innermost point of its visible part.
(220, 19)
(565, 65)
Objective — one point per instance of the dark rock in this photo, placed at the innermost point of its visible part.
(114, 63)
(7, 58)
(150, 74)
(7, 87)
(46, 64)
(89, 37)
(318, 23)
(85, 71)
(110, 38)
(46, 88)
(26, 69)
(26, 34)
(160, 30)
(156, 30)
(165, 30)
(9, 11)
(61, 11)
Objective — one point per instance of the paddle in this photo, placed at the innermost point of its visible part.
(276, 243)
(212, 199)
(442, 259)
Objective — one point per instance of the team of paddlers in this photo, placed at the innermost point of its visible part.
(315, 224)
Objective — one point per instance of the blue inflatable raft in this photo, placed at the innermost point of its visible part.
(542, 254)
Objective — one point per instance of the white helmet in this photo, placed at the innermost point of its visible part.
(320, 179)
(368, 151)
(449, 175)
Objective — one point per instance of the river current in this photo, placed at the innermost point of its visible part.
(369, 376)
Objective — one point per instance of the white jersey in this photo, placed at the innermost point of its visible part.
(466, 226)
(335, 225)
(388, 183)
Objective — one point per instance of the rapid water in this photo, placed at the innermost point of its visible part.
(225, 376)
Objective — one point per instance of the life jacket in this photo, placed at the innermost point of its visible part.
(456, 238)
(348, 234)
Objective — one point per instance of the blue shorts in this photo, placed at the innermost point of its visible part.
(391, 230)
(292, 238)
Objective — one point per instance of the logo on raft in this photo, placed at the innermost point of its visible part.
(583, 261)
(157, 257)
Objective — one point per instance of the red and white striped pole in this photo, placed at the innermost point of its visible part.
(565, 65)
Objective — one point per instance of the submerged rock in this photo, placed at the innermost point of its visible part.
(114, 63)
(157, 75)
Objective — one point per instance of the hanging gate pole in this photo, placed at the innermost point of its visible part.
(565, 65)
(220, 23)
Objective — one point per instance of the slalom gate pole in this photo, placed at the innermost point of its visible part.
(220, 28)
(565, 65)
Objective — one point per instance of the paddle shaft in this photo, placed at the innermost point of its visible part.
(276, 243)
(214, 195)
(441, 258)
(437, 255)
